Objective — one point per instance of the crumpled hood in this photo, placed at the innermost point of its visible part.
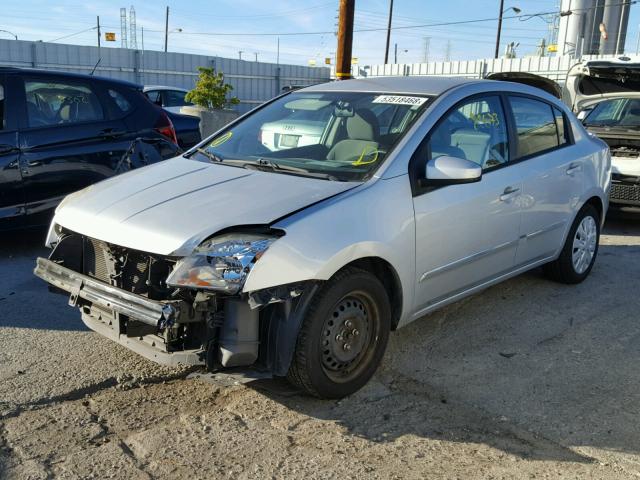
(171, 207)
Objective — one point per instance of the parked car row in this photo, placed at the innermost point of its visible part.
(61, 132)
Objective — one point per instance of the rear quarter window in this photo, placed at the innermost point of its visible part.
(121, 102)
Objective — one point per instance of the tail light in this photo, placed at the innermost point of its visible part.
(165, 127)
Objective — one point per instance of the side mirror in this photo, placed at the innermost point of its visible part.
(447, 170)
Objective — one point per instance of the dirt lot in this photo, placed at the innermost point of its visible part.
(528, 379)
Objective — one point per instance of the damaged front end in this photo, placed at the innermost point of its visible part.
(189, 310)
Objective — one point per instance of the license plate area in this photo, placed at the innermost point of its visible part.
(289, 141)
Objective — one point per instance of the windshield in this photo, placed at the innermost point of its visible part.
(341, 136)
(617, 112)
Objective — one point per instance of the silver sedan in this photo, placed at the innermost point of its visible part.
(299, 261)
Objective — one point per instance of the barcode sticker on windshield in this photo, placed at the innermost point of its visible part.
(400, 100)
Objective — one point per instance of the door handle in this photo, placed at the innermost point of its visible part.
(111, 133)
(573, 168)
(508, 193)
(5, 148)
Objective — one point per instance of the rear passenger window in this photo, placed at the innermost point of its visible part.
(57, 103)
(122, 103)
(475, 131)
(535, 125)
(174, 98)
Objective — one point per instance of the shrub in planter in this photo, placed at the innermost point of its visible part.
(212, 104)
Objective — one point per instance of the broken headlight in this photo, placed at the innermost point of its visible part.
(220, 263)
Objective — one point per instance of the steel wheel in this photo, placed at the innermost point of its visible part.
(584, 244)
(343, 336)
(349, 332)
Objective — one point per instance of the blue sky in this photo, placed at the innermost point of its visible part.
(201, 21)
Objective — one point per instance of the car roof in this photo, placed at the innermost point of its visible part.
(163, 87)
(420, 85)
(60, 73)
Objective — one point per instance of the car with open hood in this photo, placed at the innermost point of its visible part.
(298, 262)
(605, 94)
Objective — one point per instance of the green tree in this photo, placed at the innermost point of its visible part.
(211, 91)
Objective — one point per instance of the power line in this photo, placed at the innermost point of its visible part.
(72, 34)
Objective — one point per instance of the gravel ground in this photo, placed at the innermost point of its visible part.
(528, 379)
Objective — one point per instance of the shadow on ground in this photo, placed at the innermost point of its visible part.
(531, 367)
(25, 299)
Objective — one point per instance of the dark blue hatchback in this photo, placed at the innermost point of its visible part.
(60, 132)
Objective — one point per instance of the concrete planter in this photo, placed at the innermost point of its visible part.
(210, 120)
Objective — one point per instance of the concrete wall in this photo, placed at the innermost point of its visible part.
(253, 82)
(555, 68)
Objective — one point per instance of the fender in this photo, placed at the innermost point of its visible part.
(321, 240)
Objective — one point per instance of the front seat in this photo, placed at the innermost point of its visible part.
(441, 143)
(362, 137)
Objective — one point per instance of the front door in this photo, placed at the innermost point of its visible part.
(11, 191)
(467, 234)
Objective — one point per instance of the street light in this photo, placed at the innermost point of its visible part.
(10, 33)
(516, 10)
(166, 38)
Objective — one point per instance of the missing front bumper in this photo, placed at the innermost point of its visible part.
(96, 296)
(151, 312)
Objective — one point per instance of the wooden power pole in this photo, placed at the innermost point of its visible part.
(345, 39)
(386, 51)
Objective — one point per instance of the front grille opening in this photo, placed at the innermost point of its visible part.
(629, 193)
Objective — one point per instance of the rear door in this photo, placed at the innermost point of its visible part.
(11, 191)
(69, 140)
(553, 177)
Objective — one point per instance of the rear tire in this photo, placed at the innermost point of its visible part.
(343, 336)
(580, 249)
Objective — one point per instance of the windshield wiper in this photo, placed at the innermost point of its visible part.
(210, 155)
(266, 164)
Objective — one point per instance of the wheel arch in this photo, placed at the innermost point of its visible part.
(598, 204)
(388, 276)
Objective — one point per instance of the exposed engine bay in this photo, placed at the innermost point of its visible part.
(123, 294)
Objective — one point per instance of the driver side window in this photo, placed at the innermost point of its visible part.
(475, 131)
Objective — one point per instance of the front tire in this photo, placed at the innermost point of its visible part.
(343, 336)
(580, 249)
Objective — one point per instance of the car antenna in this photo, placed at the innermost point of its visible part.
(96, 66)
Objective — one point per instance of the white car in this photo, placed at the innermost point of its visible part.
(170, 98)
(606, 96)
(300, 261)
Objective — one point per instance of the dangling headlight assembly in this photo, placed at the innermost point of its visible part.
(221, 263)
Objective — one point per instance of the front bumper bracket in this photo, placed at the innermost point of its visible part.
(152, 312)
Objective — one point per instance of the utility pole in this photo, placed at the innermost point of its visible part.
(447, 52)
(497, 54)
(386, 51)
(395, 53)
(278, 52)
(166, 29)
(98, 27)
(256, 54)
(345, 39)
(239, 54)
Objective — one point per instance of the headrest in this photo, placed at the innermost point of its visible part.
(362, 126)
